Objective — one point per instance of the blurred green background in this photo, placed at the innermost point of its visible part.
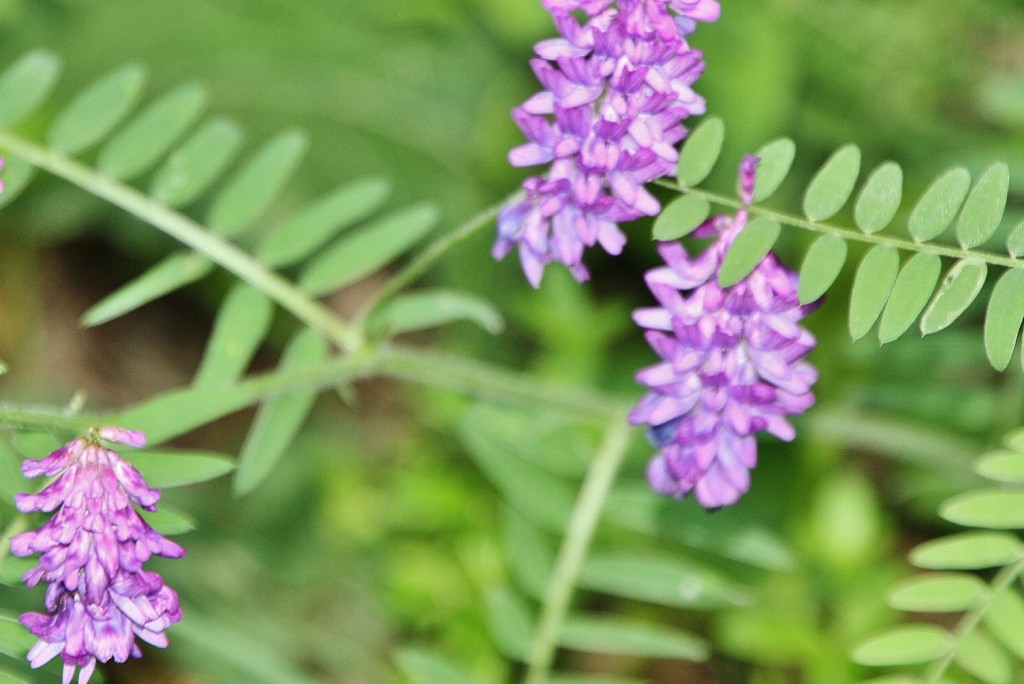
(378, 531)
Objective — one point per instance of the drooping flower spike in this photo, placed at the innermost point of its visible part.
(732, 363)
(98, 598)
(616, 90)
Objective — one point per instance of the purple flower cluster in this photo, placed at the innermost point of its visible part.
(99, 598)
(617, 88)
(732, 363)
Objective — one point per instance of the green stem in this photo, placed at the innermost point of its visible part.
(189, 233)
(575, 545)
(1001, 582)
(858, 236)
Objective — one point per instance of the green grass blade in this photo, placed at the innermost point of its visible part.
(833, 184)
(26, 84)
(98, 110)
(196, 165)
(148, 137)
(255, 186)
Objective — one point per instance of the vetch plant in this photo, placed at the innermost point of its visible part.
(582, 542)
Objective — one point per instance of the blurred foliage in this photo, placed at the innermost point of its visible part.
(378, 531)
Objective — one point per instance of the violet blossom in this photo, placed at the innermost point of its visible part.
(731, 363)
(616, 90)
(98, 598)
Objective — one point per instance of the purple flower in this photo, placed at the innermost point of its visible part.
(616, 90)
(92, 550)
(732, 363)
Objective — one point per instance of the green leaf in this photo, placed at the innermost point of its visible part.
(242, 323)
(173, 273)
(425, 667)
(300, 235)
(1014, 440)
(193, 167)
(700, 152)
(148, 137)
(562, 678)
(938, 593)
(995, 509)
(1005, 619)
(529, 553)
(1003, 318)
(1015, 241)
(748, 250)
(913, 288)
(880, 198)
(977, 655)
(661, 580)
(543, 498)
(8, 678)
(26, 84)
(168, 521)
(871, 287)
(905, 645)
(97, 110)
(680, 217)
(984, 208)
(776, 160)
(1002, 466)
(968, 551)
(509, 622)
(621, 636)
(12, 569)
(434, 308)
(174, 413)
(938, 205)
(359, 254)
(15, 639)
(833, 184)
(279, 419)
(821, 267)
(166, 469)
(256, 184)
(16, 175)
(959, 289)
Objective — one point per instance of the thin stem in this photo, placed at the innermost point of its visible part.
(486, 381)
(857, 236)
(419, 265)
(575, 545)
(1001, 582)
(189, 233)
